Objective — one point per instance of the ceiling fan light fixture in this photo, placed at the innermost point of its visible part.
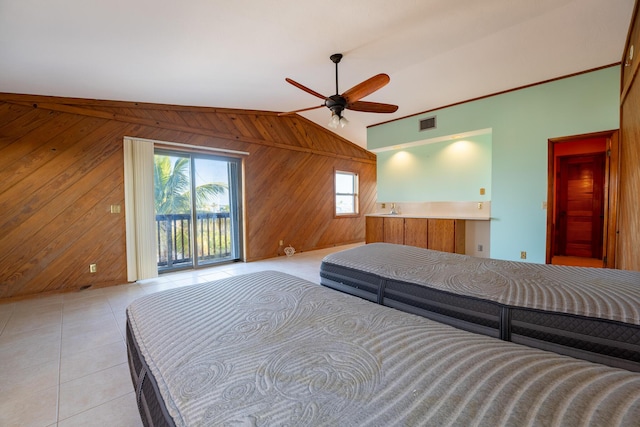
(343, 121)
(334, 121)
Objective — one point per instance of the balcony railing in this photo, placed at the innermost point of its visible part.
(213, 239)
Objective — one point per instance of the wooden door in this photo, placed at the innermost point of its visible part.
(447, 235)
(416, 231)
(394, 230)
(374, 229)
(442, 235)
(580, 213)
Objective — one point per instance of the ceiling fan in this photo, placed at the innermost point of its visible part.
(350, 99)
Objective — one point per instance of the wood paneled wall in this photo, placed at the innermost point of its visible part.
(61, 168)
(629, 215)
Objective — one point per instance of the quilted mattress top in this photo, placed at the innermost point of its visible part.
(593, 292)
(271, 349)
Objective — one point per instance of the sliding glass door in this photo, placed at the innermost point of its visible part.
(197, 209)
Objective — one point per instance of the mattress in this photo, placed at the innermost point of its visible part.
(272, 349)
(583, 312)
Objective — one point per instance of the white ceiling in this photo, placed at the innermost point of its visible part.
(237, 53)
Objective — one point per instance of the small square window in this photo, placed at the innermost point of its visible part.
(346, 186)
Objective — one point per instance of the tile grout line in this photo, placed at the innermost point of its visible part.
(122, 334)
(101, 403)
(59, 365)
(58, 420)
(94, 407)
(13, 309)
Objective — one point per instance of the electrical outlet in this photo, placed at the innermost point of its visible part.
(523, 255)
(281, 242)
(480, 248)
(383, 205)
(482, 191)
(93, 268)
(480, 205)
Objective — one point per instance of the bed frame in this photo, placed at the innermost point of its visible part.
(272, 349)
(588, 313)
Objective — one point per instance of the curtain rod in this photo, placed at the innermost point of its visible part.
(197, 147)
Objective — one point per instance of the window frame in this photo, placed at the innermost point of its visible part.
(355, 194)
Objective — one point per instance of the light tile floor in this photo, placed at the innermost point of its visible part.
(63, 357)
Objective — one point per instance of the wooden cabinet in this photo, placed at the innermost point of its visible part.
(394, 230)
(374, 229)
(446, 235)
(416, 232)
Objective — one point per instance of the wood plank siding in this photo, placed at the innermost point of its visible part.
(627, 256)
(61, 169)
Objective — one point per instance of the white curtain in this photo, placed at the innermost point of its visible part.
(139, 210)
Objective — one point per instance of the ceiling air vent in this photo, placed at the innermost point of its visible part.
(428, 123)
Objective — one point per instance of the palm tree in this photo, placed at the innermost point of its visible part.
(172, 187)
(172, 196)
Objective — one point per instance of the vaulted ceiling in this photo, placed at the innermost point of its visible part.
(236, 54)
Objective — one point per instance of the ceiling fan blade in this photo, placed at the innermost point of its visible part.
(300, 110)
(372, 107)
(365, 88)
(306, 89)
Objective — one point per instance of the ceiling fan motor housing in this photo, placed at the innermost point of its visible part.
(336, 103)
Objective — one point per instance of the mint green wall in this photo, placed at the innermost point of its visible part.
(451, 171)
(522, 122)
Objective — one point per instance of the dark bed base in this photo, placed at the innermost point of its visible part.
(608, 342)
(150, 404)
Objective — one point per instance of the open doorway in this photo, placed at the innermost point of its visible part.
(581, 199)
